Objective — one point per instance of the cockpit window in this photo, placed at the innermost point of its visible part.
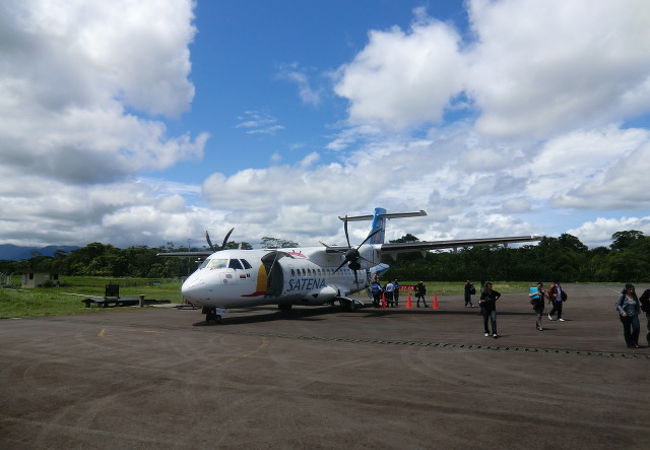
(246, 264)
(235, 264)
(217, 263)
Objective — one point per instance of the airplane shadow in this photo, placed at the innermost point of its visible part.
(315, 314)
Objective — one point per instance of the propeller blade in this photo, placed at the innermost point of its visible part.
(225, 240)
(370, 236)
(207, 238)
(345, 227)
(365, 259)
(342, 264)
(356, 279)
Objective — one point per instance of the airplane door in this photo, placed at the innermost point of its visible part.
(275, 280)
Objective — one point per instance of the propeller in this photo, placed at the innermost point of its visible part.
(351, 256)
(223, 244)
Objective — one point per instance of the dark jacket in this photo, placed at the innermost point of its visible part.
(489, 299)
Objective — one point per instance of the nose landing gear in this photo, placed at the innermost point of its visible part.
(211, 314)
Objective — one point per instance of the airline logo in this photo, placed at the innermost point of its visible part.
(296, 254)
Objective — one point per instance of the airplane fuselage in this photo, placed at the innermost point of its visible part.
(306, 276)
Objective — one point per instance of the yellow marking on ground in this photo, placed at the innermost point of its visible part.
(263, 344)
(102, 332)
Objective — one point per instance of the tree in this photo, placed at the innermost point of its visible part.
(271, 242)
(626, 239)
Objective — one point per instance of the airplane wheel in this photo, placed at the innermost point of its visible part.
(212, 315)
(345, 305)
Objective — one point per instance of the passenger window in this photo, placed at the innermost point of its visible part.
(292, 272)
(304, 272)
(246, 264)
(235, 264)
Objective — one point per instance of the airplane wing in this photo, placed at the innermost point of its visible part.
(418, 246)
(202, 254)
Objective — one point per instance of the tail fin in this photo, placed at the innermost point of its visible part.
(379, 221)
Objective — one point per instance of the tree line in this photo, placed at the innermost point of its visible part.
(564, 258)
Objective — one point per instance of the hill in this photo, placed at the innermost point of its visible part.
(10, 252)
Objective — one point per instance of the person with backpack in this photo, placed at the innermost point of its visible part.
(536, 296)
(556, 296)
(645, 307)
(469, 291)
(375, 290)
(420, 292)
(628, 307)
(488, 304)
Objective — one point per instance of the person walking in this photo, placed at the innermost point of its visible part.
(556, 296)
(396, 292)
(388, 291)
(628, 307)
(420, 292)
(488, 306)
(536, 296)
(469, 291)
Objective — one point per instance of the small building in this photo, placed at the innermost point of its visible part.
(38, 279)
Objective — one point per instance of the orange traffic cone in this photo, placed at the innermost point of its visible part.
(383, 301)
(435, 302)
(409, 302)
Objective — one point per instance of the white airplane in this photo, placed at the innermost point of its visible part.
(236, 278)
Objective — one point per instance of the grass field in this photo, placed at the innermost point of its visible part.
(53, 301)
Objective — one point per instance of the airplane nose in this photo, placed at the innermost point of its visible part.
(193, 289)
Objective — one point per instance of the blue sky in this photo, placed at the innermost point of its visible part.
(143, 123)
(240, 57)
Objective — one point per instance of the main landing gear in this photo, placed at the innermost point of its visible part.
(211, 314)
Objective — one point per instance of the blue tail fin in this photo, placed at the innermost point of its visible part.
(378, 222)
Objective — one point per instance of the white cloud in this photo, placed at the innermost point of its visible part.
(70, 71)
(296, 74)
(255, 122)
(579, 169)
(623, 185)
(402, 78)
(532, 69)
(599, 231)
(560, 64)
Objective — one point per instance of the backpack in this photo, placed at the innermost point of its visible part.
(645, 301)
(472, 290)
(564, 295)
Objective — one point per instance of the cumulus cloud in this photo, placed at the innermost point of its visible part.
(44, 211)
(403, 78)
(559, 64)
(70, 73)
(600, 231)
(530, 69)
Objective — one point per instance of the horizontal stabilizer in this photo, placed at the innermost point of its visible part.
(384, 216)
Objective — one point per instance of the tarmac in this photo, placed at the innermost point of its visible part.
(321, 378)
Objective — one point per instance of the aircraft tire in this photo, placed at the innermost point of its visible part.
(346, 305)
(212, 315)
